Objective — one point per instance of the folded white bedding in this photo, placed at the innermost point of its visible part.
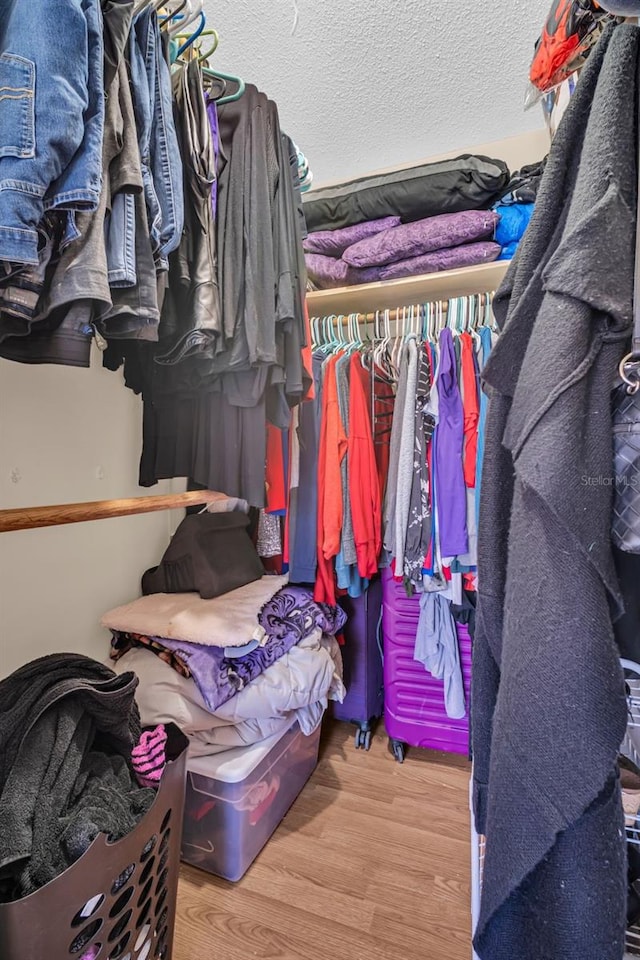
(230, 620)
(299, 684)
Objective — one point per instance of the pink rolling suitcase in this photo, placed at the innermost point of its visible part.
(414, 711)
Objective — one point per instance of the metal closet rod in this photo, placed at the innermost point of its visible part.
(30, 518)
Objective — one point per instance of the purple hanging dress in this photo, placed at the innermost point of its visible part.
(452, 498)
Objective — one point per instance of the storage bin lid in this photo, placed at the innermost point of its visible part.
(234, 766)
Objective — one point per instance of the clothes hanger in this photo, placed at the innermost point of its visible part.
(173, 15)
(452, 315)
(180, 19)
(337, 334)
(377, 339)
(172, 11)
(428, 308)
(191, 39)
(358, 343)
(198, 11)
(353, 334)
(203, 57)
(348, 340)
(383, 357)
(329, 335)
(397, 342)
(470, 313)
(315, 331)
(194, 9)
(348, 337)
(359, 331)
(324, 334)
(219, 75)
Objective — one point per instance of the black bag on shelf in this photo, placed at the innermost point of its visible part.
(466, 182)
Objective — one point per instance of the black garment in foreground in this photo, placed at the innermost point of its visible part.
(549, 711)
(67, 728)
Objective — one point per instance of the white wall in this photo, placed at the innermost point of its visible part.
(69, 435)
(368, 84)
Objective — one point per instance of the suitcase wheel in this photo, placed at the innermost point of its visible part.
(364, 735)
(397, 749)
(363, 738)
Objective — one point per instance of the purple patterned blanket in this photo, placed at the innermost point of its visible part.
(290, 616)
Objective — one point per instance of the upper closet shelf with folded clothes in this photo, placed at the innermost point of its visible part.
(446, 218)
(387, 294)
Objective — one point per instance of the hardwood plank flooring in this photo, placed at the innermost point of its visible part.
(371, 863)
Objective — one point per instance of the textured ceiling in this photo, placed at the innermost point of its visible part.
(365, 84)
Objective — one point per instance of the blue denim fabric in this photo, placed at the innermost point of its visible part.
(120, 239)
(51, 116)
(79, 186)
(159, 151)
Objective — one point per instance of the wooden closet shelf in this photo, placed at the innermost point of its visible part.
(387, 294)
(29, 518)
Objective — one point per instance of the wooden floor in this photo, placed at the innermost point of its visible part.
(371, 863)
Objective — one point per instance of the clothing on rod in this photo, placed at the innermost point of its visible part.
(159, 225)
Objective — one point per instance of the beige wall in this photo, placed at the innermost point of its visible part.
(69, 435)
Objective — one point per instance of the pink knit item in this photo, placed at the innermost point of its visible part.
(149, 757)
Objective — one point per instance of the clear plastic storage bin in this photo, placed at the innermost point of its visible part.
(236, 799)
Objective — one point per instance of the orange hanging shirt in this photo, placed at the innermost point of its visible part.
(471, 408)
(331, 449)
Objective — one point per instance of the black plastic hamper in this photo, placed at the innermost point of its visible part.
(118, 901)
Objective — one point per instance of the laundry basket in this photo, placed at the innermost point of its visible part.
(118, 901)
(631, 748)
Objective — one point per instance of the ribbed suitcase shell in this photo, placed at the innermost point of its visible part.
(362, 659)
(414, 710)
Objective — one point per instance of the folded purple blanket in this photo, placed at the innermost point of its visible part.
(332, 243)
(468, 255)
(287, 619)
(422, 236)
(327, 272)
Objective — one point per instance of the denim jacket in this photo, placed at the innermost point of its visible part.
(51, 117)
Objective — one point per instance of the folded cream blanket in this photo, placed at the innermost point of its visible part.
(230, 620)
